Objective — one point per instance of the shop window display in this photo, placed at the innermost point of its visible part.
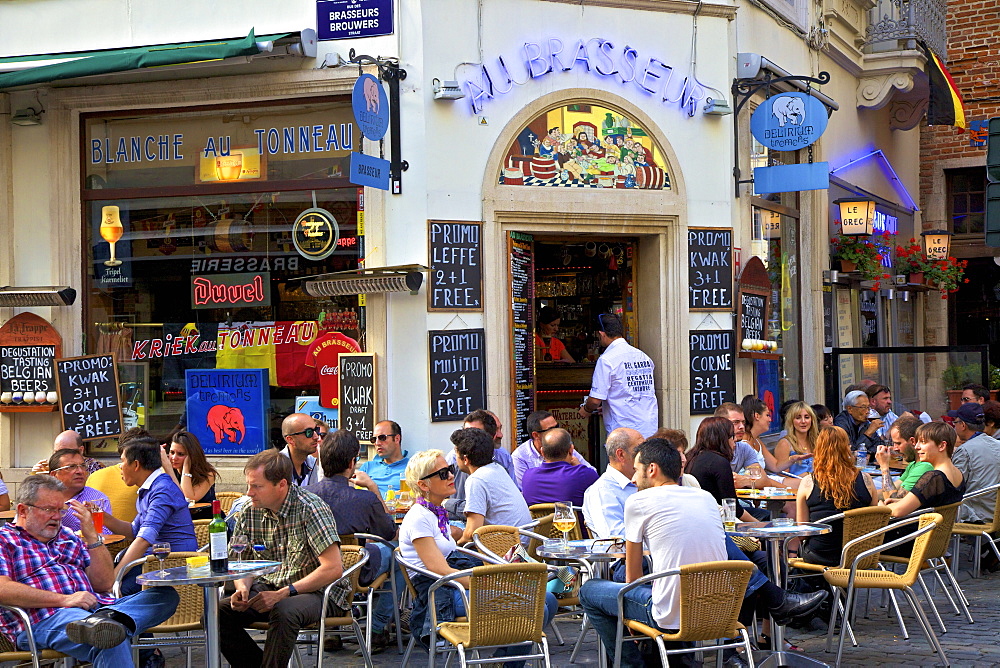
(189, 254)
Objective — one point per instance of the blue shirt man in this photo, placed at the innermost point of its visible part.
(604, 501)
(390, 464)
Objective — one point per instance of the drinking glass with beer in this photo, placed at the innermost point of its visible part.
(97, 514)
(564, 520)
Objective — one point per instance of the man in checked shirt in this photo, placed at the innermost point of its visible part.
(298, 529)
(59, 579)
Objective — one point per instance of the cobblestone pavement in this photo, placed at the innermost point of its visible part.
(976, 644)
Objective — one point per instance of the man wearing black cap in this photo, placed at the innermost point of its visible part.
(978, 458)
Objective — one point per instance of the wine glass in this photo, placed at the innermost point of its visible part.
(564, 520)
(111, 231)
(754, 473)
(403, 500)
(237, 544)
(162, 551)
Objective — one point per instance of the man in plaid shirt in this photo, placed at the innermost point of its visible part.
(60, 579)
(296, 528)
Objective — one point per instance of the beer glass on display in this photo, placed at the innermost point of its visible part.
(111, 231)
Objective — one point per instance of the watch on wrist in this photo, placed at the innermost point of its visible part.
(292, 591)
(100, 541)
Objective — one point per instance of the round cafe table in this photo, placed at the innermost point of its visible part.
(774, 502)
(776, 535)
(209, 584)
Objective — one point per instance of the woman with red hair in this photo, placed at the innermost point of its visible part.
(835, 485)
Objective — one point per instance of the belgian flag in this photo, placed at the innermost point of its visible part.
(945, 104)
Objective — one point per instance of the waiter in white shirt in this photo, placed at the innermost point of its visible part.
(622, 386)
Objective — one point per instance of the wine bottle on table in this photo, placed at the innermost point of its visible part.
(218, 541)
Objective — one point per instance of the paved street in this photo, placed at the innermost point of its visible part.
(881, 644)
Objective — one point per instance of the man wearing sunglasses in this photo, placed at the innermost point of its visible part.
(68, 467)
(301, 442)
(622, 386)
(390, 463)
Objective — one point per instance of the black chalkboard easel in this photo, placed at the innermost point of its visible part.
(358, 394)
(457, 373)
(710, 269)
(88, 395)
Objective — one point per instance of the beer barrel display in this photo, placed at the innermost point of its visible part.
(649, 178)
(512, 176)
(231, 235)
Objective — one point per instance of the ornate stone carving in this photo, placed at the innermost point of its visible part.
(874, 92)
(906, 114)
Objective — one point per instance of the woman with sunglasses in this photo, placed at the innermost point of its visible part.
(427, 540)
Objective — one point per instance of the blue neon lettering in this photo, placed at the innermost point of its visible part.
(603, 49)
(629, 58)
(582, 56)
(554, 56)
(530, 60)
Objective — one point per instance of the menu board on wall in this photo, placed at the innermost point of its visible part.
(28, 347)
(520, 247)
(753, 308)
(358, 394)
(713, 374)
(457, 373)
(455, 280)
(710, 269)
(88, 393)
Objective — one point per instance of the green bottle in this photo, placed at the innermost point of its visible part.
(218, 543)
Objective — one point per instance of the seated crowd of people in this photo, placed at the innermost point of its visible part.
(658, 494)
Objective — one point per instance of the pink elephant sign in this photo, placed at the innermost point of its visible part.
(228, 410)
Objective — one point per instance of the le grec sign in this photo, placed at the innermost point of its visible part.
(788, 121)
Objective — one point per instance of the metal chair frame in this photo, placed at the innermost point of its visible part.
(374, 589)
(32, 654)
(977, 532)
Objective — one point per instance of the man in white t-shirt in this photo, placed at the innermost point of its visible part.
(622, 385)
(491, 497)
(679, 526)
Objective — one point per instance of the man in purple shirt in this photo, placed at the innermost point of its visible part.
(68, 466)
(560, 478)
(162, 514)
(57, 577)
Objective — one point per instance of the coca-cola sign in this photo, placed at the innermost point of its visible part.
(228, 290)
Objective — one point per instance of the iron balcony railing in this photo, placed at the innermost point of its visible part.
(895, 25)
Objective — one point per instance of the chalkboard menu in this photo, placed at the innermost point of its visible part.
(455, 280)
(458, 373)
(710, 269)
(713, 375)
(88, 392)
(28, 347)
(522, 292)
(358, 394)
(753, 307)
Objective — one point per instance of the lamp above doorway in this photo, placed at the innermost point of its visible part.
(937, 244)
(857, 216)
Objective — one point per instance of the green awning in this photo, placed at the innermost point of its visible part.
(52, 67)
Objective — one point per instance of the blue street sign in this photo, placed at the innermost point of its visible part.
(371, 107)
(788, 121)
(369, 171)
(349, 19)
(789, 178)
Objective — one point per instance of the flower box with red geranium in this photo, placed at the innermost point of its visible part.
(911, 260)
(866, 255)
(946, 275)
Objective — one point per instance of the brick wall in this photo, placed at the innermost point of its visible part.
(974, 61)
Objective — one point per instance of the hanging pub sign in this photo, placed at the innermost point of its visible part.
(315, 234)
(788, 121)
(351, 19)
(753, 309)
(370, 106)
(229, 290)
(28, 346)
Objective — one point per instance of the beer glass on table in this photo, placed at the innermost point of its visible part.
(564, 519)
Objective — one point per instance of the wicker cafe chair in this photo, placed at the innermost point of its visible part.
(352, 559)
(854, 578)
(711, 594)
(506, 607)
(978, 532)
(186, 618)
(226, 500)
(201, 533)
(8, 652)
(937, 552)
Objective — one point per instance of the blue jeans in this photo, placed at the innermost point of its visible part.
(147, 609)
(384, 602)
(733, 553)
(599, 599)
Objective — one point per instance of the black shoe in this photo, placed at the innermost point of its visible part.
(379, 642)
(332, 644)
(797, 605)
(99, 630)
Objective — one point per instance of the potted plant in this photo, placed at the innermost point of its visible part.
(911, 261)
(946, 275)
(862, 255)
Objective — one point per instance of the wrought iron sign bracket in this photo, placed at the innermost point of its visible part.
(390, 72)
(744, 89)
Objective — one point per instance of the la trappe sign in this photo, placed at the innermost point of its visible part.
(788, 121)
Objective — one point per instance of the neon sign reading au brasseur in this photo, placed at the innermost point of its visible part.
(602, 57)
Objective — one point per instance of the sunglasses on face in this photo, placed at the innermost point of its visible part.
(380, 438)
(308, 432)
(542, 431)
(443, 474)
